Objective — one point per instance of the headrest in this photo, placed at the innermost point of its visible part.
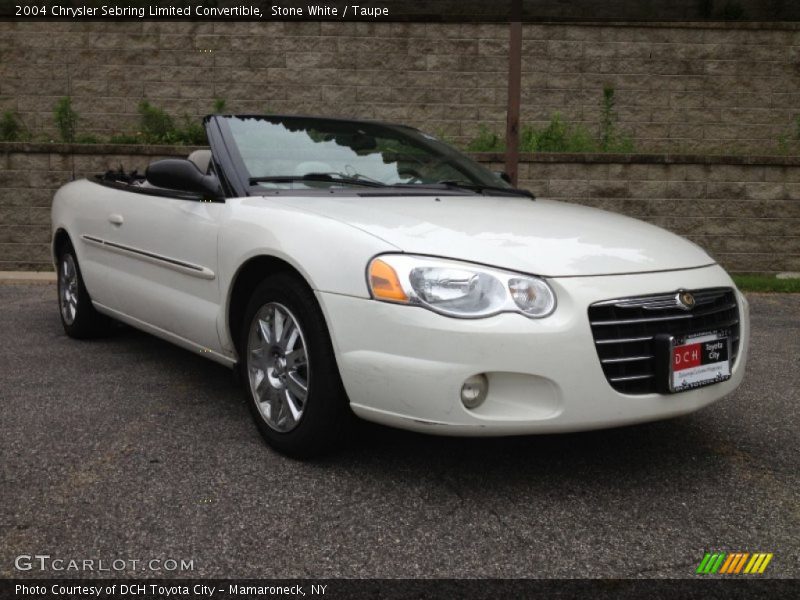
(201, 158)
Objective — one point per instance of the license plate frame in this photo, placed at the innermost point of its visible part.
(698, 359)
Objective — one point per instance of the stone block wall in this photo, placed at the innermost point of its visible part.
(729, 88)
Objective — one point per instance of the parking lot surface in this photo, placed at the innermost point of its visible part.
(130, 448)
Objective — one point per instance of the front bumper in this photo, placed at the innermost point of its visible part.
(404, 366)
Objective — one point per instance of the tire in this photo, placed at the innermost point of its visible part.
(291, 379)
(78, 315)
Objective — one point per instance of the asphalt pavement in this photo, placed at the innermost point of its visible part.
(128, 448)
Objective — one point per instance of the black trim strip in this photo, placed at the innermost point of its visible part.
(148, 191)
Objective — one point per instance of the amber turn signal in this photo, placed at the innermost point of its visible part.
(384, 282)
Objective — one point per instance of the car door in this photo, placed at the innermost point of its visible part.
(88, 224)
(166, 255)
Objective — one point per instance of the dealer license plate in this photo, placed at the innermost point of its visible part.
(699, 359)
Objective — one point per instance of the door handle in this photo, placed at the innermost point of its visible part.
(115, 219)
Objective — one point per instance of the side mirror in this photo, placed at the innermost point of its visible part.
(503, 175)
(182, 174)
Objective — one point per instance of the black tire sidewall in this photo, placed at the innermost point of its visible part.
(88, 322)
(327, 412)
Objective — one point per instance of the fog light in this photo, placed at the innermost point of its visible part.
(474, 391)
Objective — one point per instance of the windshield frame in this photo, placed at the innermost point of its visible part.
(224, 147)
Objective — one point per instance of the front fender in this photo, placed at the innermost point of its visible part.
(330, 255)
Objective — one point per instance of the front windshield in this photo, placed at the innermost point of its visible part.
(299, 152)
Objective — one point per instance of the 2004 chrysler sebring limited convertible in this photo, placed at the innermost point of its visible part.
(356, 267)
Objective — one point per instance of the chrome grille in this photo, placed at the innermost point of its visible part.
(625, 329)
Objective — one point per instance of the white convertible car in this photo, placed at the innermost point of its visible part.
(350, 267)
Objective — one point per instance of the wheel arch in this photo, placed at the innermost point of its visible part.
(244, 282)
(60, 239)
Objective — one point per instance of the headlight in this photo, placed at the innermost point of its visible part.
(457, 289)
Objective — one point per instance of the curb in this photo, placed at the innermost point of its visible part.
(27, 277)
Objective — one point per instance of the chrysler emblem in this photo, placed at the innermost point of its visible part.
(685, 300)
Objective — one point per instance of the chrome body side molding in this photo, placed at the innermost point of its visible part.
(164, 261)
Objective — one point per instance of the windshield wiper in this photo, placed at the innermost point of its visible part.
(478, 188)
(324, 177)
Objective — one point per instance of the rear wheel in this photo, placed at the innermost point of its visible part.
(78, 315)
(289, 370)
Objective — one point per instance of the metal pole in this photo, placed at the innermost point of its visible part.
(514, 91)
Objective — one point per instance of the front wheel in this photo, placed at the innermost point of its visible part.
(289, 370)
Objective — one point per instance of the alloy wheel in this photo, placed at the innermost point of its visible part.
(68, 289)
(277, 366)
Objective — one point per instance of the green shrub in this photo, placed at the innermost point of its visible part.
(66, 119)
(192, 133)
(87, 138)
(157, 127)
(623, 145)
(219, 106)
(608, 118)
(553, 137)
(125, 138)
(560, 136)
(486, 141)
(11, 128)
(557, 136)
(610, 139)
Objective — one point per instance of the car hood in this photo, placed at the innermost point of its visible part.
(542, 237)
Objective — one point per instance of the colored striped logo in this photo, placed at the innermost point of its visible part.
(734, 563)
